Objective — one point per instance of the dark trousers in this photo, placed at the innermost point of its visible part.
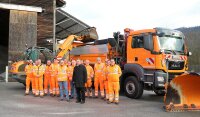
(80, 91)
(73, 89)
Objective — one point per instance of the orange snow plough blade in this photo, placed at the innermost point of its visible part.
(183, 93)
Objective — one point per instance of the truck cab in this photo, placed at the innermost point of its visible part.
(153, 57)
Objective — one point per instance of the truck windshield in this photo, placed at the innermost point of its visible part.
(171, 43)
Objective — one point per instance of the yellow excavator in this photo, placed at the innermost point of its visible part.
(17, 68)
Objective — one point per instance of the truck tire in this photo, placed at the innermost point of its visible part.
(133, 88)
(159, 92)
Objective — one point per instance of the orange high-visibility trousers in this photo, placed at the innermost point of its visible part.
(98, 82)
(69, 86)
(113, 91)
(106, 89)
(39, 86)
(88, 86)
(47, 84)
(28, 82)
(33, 85)
(55, 86)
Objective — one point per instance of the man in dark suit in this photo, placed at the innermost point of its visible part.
(79, 79)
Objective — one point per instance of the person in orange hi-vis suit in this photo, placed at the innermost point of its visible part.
(66, 62)
(99, 69)
(106, 80)
(90, 75)
(47, 79)
(114, 72)
(70, 71)
(33, 80)
(29, 77)
(54, 80)
(62, 80)
(38, 72)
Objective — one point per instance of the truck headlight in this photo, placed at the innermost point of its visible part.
(161, 79)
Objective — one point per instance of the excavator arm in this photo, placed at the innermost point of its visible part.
(66, 46)
(88, 35)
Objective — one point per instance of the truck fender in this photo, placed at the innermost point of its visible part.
(135, 69)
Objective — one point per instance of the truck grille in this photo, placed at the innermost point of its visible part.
(176, 65)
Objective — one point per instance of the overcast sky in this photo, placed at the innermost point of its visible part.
(109, 16)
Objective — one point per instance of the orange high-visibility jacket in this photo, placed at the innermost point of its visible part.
(106, 72)
(29, 70)
(114, 72)
(47, 71)
(70, 71)
(99, 69)
(54, 69)
(38, 70)
(90, 71)
(62, 73)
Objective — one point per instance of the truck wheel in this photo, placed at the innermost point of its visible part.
(133, 88)
(159, 92)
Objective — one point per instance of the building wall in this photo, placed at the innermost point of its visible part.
(22, 31)
(45, 19)
(27, 28)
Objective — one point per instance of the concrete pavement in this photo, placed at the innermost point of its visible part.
(14, 103)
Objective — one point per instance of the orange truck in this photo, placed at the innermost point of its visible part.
(151, 59)
(142, 55)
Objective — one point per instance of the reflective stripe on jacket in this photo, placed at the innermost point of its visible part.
(62, 73)
(38, 70)
(114, 72)
(29, 70)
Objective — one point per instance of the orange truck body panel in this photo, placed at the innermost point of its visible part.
(91, 57)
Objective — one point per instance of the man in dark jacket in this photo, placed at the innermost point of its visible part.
(79, 79)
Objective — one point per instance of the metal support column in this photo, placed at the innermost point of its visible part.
(54, 27)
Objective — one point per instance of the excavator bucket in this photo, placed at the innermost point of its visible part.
(183, 93)
(89, 34)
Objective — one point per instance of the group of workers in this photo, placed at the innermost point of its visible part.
(66, 79)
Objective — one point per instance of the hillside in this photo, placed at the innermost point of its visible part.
(192, 35)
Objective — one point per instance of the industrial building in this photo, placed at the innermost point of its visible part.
(27, 23)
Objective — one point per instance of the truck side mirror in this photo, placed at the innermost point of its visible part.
(189, 54)
(148, 42)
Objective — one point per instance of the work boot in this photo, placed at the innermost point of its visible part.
(108, 102)
(36, 95)
(68, 100)
(117, 103)
(26, 94)
(83, 101)
(52, 95)
(77, 101)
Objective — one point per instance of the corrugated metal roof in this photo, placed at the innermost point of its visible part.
(68, 24)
